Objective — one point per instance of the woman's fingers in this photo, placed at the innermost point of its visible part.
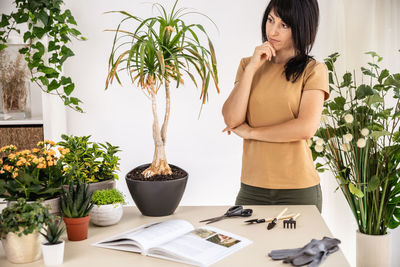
(270, 47)
(267, 49)
(227, 129)
(261, 53)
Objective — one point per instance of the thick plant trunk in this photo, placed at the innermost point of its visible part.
(159, 164)
(167, 111)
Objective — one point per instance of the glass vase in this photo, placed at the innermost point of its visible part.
(14, 84)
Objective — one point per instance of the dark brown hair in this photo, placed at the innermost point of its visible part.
(302, 17)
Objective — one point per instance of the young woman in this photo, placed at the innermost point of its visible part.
(276, 106)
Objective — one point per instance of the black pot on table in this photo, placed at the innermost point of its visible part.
(156, 198)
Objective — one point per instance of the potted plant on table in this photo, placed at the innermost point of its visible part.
(32, 174)
(360, 143)
(160, 50)
(75, 207)
(53, 247)
(89, 162)
(19, 230)
(107, 209)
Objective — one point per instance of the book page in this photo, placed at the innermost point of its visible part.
(147, 236)
(202, 247)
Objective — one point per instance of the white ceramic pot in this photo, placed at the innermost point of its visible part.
(105, 215)
(53, 254)
(373, 250)
(53, 204)
(23, 249)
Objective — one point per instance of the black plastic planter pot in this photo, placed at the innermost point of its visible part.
(157, 198)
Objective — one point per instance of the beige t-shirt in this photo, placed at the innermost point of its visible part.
(274, 100)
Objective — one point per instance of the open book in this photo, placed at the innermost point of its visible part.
(177, 240)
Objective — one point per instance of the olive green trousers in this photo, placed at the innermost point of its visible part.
(251, 195)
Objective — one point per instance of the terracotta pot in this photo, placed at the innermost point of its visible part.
(23, 249)
(373, 250)
(77, 228)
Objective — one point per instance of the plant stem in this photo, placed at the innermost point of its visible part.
(382, 200)
(167, 113)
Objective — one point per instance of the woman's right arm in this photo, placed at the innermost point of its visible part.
(235, 107)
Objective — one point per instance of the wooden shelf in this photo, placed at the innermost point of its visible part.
(27, 121)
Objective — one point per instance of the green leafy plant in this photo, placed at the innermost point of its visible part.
(158, 51)
(359, 141)
(107, 196)
(31, 174)
(44, 18)
(75, 202)
(53, 231)
(87, 161)
(23, 218)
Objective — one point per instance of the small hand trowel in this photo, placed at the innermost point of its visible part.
(275, 220)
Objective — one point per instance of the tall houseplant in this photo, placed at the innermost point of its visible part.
(157, 53)
(359, 140)
(160, 50)
(41, 18)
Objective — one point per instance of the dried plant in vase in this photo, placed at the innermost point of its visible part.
(14, 83)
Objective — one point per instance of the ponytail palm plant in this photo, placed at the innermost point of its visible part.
(160, 50)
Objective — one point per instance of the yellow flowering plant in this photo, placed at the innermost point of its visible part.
(31, 174)
(359, 141)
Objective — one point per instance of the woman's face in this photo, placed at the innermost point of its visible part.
(279, 34)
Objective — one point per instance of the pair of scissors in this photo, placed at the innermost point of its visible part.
(231, 212)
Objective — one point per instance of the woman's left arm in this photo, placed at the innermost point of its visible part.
(303, 127)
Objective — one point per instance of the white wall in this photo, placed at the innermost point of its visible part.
(122, 115)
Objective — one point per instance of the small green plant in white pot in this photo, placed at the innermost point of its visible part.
(107, 209)
(53, 247)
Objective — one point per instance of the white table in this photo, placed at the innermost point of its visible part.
(309, 225)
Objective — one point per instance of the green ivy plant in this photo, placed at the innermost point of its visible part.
(107, 196)
(23, 218)
(359, 140)
(88, 161)
(44, 18)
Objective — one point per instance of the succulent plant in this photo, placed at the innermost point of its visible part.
(53, 232)
(75, 202)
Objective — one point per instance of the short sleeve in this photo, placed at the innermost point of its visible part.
(317, 79)
(240, 70)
